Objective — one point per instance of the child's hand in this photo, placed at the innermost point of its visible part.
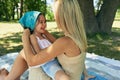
(3, 73)
(26, 34)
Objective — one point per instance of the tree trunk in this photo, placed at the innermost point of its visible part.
(13, 12)
(45, 7)
(106, 15)
(104, 19)
(21, 8)
(90, 21)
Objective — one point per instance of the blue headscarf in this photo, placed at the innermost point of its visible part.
(28, 20)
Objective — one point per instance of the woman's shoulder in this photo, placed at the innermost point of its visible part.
(64, 42)
(64, 39)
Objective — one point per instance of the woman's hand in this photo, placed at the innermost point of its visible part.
(50, 37)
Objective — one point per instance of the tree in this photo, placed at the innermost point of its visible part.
(100, 22)
(7, 9)
(10, 8)
(21, 8)
(38, 5)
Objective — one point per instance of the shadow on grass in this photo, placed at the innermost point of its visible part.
(100, 44)
(11, 43)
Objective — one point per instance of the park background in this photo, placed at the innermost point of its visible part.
(102, 24)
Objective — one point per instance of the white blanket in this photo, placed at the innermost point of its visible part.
(106, 67)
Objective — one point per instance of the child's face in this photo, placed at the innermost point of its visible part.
(41, 24)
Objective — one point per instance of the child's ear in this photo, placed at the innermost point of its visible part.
(31, 31)
(25, 27)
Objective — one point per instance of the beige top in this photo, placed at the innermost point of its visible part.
(73, 66)
(37, 74)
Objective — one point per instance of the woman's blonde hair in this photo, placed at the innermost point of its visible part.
(69, 19)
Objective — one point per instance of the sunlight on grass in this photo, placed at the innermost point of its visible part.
(116, 24)
(51, 25)
(106, 43)
(117, 16)
(6, 28)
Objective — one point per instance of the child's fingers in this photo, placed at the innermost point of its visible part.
(3, 72)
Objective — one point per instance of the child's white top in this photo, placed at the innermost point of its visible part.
(43, 43)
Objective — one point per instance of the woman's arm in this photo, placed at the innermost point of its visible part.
(44, 55)
(34, 43)
(49, 36)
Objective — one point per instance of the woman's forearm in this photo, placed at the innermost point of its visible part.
(34, 44)
(44, 55)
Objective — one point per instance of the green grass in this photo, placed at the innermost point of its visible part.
(100, 44)
(11, 43)
(105, 45)
(117, 16)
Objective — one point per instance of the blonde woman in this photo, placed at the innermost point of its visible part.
(70, 49)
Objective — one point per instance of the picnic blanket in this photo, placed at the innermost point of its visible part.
(103, 68)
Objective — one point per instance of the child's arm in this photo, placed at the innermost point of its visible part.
(34, 44)
(49, 36)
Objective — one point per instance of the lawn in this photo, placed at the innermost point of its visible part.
(104, 45)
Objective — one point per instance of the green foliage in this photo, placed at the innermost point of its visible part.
(7, 8)
(49, 14)
(38, 5)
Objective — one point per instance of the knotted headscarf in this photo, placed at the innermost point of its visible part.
(29, 19)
